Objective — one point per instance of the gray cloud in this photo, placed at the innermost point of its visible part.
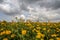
(53, 4)
(9, 8)
(31, 1)
(1, 1)
(23, 7)
(38, 9)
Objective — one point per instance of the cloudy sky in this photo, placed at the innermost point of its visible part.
(34, 10)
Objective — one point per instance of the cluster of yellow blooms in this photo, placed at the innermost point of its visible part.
(39, 35)
(29, 30)
(5, 32)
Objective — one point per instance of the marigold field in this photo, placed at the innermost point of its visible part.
(29, 30)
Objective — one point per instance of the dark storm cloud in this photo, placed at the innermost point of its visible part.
(56, 5)
(26, 3)
(53, 4)
(1, 1)
(23, 7)
(31, 1)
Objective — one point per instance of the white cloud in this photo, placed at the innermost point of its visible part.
(5, 7)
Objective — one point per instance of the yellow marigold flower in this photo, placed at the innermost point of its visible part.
(5, 38)
(38, 28)
(2, 29)
(2, 33)
(42, 35)
(55, 24)
(48, 30)
(44, 24)
(39, 35)
(37, 25)
(24, 32)
(8, 32)
(51, 39)
(58, 38)
(2, 23)
(44, 28)
(54, 35)
(42, 39)
(48, 24)
(13, 35)
(33, 30)
(31, 27)
(57, 28)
